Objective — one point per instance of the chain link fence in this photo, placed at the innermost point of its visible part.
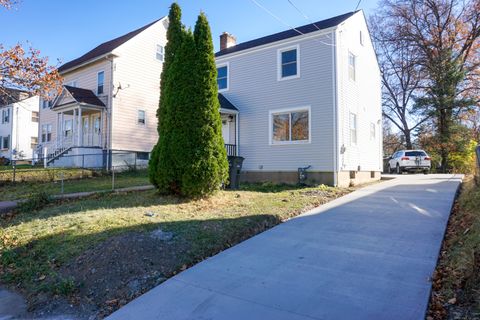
(75, 173)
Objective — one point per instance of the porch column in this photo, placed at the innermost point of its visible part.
(62, 131)
(237, 144)
(101, 128)
(57, 129)
(80, 127)
(74, 126)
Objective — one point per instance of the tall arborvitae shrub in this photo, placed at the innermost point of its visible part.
(189, 158)
(159, 172)
(208, 165)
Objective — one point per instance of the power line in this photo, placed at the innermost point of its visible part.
(283, 22)
(358, 4)
(303, 14)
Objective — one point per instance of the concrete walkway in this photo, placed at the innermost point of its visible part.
(368, 255)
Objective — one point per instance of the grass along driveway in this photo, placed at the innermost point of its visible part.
(22, 190)
(103, 251)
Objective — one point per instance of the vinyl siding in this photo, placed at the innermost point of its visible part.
(86, 78)
(361, 97)
(255, 91)
(138, 71)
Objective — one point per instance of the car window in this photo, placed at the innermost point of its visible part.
(415, 154)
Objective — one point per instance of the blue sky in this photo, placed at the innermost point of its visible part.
(66, 29)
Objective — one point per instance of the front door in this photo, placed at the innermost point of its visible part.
(226, 131)
(85, 127)
(96, 131)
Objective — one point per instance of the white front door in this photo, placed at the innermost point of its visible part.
(96, 131)
(85, 127)
(226, 131)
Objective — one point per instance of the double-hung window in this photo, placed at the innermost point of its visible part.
(141, 117)
(6, 115)
(290, 126)
(352, 62)
(100, 82)
(160, 53)
(288, 63)
(6, 142)
(46, 133)
(35, 116)
(33, 142)
(353, 128)
(222, 77)
(68, 128)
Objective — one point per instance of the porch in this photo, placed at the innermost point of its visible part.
(229, 115)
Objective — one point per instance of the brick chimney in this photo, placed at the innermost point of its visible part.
(227, 40)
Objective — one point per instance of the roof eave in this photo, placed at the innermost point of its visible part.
(88, 62)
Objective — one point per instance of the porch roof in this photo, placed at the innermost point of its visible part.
(225, 103)
(83, 96)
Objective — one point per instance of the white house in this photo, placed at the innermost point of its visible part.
(308, 97)
(305, 98)
(18, 125)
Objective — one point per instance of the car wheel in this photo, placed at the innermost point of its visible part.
(425, 171)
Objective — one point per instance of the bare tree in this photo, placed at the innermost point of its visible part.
(401, 76)
(445, 36)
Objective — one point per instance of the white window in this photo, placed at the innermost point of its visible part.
(46, 133)
(33, 142)
(100, 82)
(290, 126)
(6, 142)
(222, 77)
(160, 53)
(352, 66)
(35, 116)
(373, 130)
(288, 63)
(353, 128)
(361, 38)
(6, 115)
(68, 128)
(141, 117)
(72, 83)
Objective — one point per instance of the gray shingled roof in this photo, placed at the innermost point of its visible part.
(323, 24)
(84, 96)
(225, 103)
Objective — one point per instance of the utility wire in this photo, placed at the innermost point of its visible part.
(303, 14)
(358, 4)
(283, 22)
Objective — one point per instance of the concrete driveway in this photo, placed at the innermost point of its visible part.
(368, 255)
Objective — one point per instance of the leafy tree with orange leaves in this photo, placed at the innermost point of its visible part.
(26, 69)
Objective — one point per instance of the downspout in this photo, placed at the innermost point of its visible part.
(109, 115)
(335, 110)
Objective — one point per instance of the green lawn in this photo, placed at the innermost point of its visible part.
(34, 246)
(90, 182)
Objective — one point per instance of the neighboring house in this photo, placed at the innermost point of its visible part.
(306, 97)
(18, 124)
(109, 101)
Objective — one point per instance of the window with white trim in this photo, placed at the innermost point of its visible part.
(46, 132)
(160, 53)
(222, 77)
(352, 66)
(100, 82)
(35, 116)
(141, 117)
(353, 128)
(68, 128)
(6, 142)
(288, 64)
(33, 142)
(290, 126)
(6, 115)
(373, 130)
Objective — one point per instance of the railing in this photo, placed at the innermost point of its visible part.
(231, 149)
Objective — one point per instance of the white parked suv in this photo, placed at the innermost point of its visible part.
(409, 161)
